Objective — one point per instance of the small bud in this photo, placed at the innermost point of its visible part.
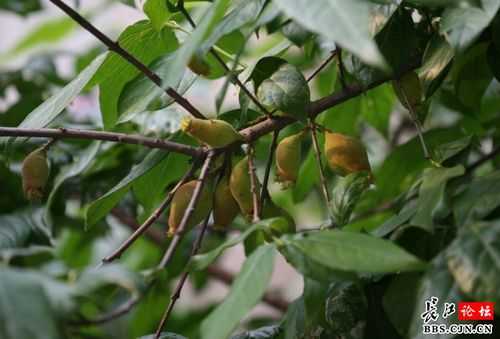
(345, 154)
(240, 186)
(35, 173)
(408, 89)
(215, 133)
(288, 154)
(225, 206)
(180, 202)
(199, 66)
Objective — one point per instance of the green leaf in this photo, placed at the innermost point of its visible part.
(201, 261)
(52, 107)
(158, 12)
(350, 24)
(293, 322)
(287, 91)
(376, 107)
(479, 199)
(268, 332)
(144, 43)
(307, 177)
(463, 24)
(474, 261)
(138, 94)
(354, 252)
(24, 296)
(346, 194)
(99, 208)
(437, 56)
(246, 291)
(80, 163)
(432, 202)
(22, 229)
(397, 220)
(439, 283)
(20, 7)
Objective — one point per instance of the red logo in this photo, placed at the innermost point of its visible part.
(476, 310)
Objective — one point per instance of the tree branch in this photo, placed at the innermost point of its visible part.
(264, 193)
(68, 133)
(253, 184)
(152, 218)
(322, 66)
(115, 47)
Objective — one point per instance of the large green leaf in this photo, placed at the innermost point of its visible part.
(474, 261)
(463, 24)
(432, 201)
(52, 107)
(22, 229)
(354, 252)
(376, 107)
(99, 208)
(143, 42)
(246, 291)
(345, 22)
(20, 7)
(478, 200)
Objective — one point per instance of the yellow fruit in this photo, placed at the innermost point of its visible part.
(345, 154)
(225, 207)
(35, 173)
(180, 202)
(240, 186)
(215, 133)
(408, 89)
(288, 159)
(199, 66)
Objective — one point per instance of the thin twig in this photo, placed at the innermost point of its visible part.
(152, 218)
(179, 234)
(178, 289)
(341, 68)
(322, 178)
(482, 160)
(253, 184)
(112, 315)
(115, 47)
(62, 133)
(322, 65)
(264, 193)
(223, 64)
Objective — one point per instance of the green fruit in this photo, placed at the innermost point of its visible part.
(35, 173)
(215, 133)
(288, 154)
(180, 202)
(277, 229)
(199, 66)
(240, 186)
(345, 154)
(225, 206)
(408, 89)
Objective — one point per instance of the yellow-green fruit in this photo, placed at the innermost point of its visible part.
(180, 202)
(35, 173)
(199, 66)
(240, 186)
(215, 133)
(288, 159)
(225, 207)
(408, 89)
(270, 210)
(345, 154)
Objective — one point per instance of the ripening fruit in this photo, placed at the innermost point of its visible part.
(408, 89)
(271, 210)
(345, 154)
(199, 66)
(225, 207)
(240, 186)
(215, 133)
(180, 202)
(35, 173)
(288, 159)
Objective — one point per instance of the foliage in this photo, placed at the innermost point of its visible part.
(423, 223)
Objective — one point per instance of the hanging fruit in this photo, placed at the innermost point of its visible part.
(240, 186)
(180, 202)
(288, 154)
(345, 154)
(408, 89)
(35, 173)
(225, 206)
(213, 132)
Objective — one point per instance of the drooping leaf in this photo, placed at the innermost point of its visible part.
(350, 30)
(246, 291)
(22, 229)
(346, 194)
